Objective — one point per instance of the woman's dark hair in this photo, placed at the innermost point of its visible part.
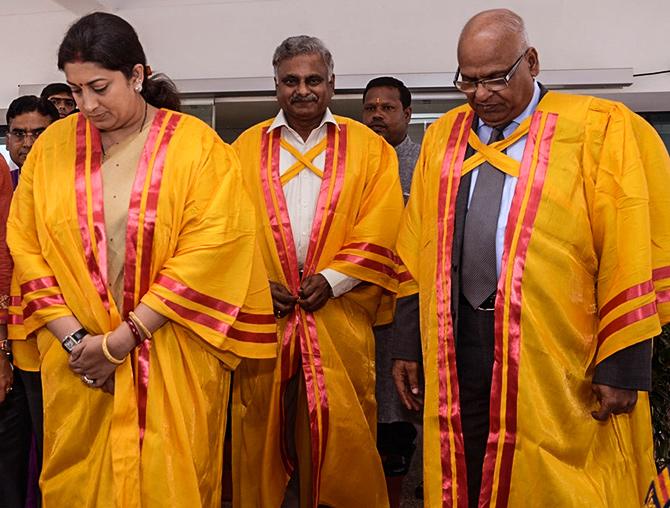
(112, 43)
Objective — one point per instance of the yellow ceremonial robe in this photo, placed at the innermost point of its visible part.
(585, 273)
(192, 256)
(353, 232)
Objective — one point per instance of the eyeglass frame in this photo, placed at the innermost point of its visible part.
(504, 79)
(34, 134)
(57, 101)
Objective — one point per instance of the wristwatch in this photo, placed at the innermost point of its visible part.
(71, 340)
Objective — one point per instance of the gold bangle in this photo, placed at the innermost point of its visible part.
(140, 325)
(106, 352)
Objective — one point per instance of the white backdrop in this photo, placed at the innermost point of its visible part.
(235, 38)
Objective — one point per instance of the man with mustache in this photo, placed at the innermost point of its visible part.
(328, 198)
(21, 412)
(387, 110)
(538, 233)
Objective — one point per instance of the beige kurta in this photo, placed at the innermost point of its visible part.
(119, 165)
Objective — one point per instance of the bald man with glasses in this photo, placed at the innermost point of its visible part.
(537, 234)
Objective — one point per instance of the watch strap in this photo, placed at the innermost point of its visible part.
(72, 339)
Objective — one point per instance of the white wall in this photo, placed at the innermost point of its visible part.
(226, 38)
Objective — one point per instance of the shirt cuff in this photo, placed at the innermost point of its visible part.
(339, 282)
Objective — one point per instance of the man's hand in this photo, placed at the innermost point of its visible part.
(6, 377)
(314, 292)
(613, 401)
(406, 378)
(282, 299)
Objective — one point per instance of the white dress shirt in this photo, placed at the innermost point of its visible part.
(302, 193)
(515, 151)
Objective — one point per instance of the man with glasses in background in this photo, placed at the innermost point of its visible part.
(538, 234)
(21, 411)
(27, 117)
(60, 95)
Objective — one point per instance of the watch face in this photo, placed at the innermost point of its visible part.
(69, 343)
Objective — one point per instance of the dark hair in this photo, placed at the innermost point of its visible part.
(405, 95)
(55, 89)
(30, 103)
(110, 41)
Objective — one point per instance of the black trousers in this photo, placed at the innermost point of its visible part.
(474, 361)
(20, 417)
(32, 382)
(15, 433)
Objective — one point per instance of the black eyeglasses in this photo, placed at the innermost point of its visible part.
(491, 84)
(20, 134)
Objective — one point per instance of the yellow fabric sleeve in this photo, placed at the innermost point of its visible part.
(46, 303)
(216, 283)
(627, 228)
(380, 209)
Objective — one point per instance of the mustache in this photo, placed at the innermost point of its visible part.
(304, 98)
(378, 124)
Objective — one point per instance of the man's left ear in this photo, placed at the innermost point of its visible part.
(407, 113)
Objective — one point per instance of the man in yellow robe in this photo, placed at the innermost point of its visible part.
(190, 256)
(538, 237)
(328, 196)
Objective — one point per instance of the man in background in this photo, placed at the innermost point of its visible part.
(60, 95)
(21, 413)
(387, 110)
(27, 117)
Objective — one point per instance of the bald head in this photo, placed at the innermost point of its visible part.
(492, 29)
(493, 45)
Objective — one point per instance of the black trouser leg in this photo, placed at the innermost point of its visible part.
(474, 360)
(32, 382)
(15, 434)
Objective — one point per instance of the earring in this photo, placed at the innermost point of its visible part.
(138, 87)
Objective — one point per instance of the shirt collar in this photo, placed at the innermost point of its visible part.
(530, 109)
(280, 121)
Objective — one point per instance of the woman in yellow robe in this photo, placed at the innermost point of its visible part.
(131, 222)
(585, 274)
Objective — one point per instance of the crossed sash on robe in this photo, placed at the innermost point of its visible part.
(494, 153)
(303, 160)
